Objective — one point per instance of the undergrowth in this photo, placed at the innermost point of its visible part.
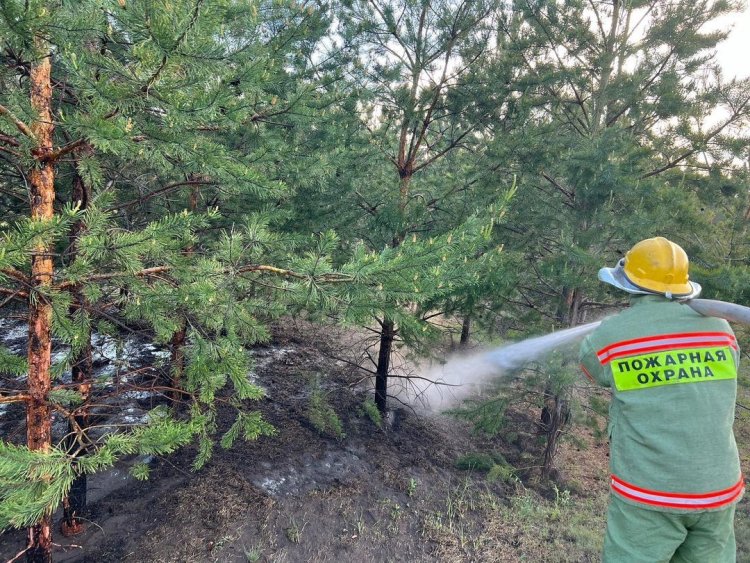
(320, 413)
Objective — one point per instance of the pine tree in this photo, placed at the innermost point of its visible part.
(616, 105)
(133, 101)
(398, 187)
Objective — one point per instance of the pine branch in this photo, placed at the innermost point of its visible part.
(52, 156)
(453, 144)
(327, 278)
(20, 125)
(100, 277)
(568, 193)
(11, 151)
(16, 275)
(155, 76)
(8, 140)
(711, 134)
(13, 294)
(161, 191)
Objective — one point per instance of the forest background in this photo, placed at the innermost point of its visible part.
(426, 171)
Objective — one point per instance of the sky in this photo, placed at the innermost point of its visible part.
(734, 53)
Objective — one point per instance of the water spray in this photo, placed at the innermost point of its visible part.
(516, 355)
(466, 376)
(513, 356)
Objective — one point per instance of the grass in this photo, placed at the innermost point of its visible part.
(570, 528)
(253, 554)
(491, 515)
(294, 531)
(411, 487)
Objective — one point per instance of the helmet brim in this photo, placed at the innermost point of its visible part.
(616, 277)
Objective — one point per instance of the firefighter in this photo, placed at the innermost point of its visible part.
(675, 470)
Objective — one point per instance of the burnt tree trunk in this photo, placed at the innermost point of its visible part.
(42, 196)
(465, 332)
(74, 505)
(556, 411)
(388, 327)
(555, 416)
(387, 335)
(177, 345)
(177, 362)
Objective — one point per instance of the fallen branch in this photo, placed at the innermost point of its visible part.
(15, 399)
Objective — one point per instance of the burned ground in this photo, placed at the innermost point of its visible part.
(390, 494)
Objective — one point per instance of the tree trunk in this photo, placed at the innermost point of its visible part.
(599, 99)
(75, 504)
(556, 411)
(555, 416)
(387, 335)
(570, 307)
(177, 362)
(42, 196)
(388, 327)
(465, 332)
(177, 345)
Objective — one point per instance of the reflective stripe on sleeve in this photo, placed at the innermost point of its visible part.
(678, 500)
(664, 342)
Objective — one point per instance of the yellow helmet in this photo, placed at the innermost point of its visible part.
(654, 265)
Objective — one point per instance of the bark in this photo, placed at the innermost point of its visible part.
(42, 196)
(387, 335)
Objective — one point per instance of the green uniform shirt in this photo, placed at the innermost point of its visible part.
(673, 374)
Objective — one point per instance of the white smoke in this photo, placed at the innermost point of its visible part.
(440, 387)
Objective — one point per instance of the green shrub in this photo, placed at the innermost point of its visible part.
(321, 414)
(479, 461)
(500, 472)
(370, 409)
